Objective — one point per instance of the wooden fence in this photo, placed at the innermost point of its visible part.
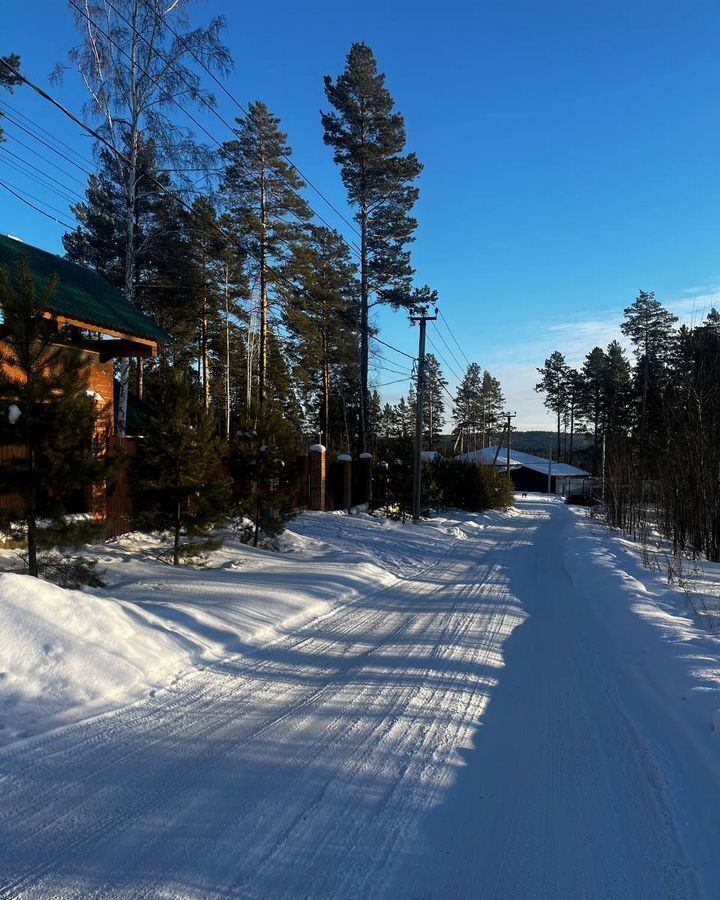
(11, 500)
(119, 507)
(114, 500)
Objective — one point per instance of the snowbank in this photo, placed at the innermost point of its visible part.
(65, 652)
(671, 669)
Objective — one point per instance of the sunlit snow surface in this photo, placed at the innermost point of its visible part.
(500, 706)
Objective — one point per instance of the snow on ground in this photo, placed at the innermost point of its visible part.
(504, 706)
(639, 606)
(69, 654)
(65, 655)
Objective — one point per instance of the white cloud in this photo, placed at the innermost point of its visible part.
(574, 338)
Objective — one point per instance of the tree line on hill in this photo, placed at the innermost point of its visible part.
(658, 418)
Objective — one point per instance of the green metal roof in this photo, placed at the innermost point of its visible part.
(83, 294)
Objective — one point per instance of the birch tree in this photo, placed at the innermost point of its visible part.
(133, 60)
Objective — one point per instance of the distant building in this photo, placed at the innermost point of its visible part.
(530, 473)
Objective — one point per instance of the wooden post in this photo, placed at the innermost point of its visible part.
(383, 469)
(345, 461)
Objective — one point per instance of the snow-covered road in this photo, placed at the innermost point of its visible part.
(411, 743)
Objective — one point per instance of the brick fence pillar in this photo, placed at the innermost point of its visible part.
(345, 461)
(318, 476)
(365, 479)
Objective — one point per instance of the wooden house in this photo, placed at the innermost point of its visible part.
(104, 326)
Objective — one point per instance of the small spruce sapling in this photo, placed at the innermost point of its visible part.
(180, 486)
(263, 475)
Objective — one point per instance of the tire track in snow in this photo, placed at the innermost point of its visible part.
(207, 726)
(412, 736)
(276, 835)
(144, 715)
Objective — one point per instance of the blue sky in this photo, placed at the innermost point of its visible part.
(570, 150)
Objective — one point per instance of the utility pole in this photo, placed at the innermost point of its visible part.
(227, 357)
(509, 416)
(422, 318)
(498, 448)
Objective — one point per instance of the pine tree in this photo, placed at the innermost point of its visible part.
(574, 407)
(321, 318)
(231, 390)
(229, 344)
(617, 391)
(260, 191)
(411, 410)
(434, 400)
(264, 473)
(178, 478)
(215, 285)
(387, 425)
(467, 411)
(374, 412)
(8, 79)
(47, 408)
(368, 140)
(161, 246)
(405, 416)
(172, 279)
(492, 404)
(553, 384)
(712, 321)
(650, 327)
(594, 376)
(98, 242)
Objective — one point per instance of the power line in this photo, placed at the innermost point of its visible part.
(38, 200)
(239, 105)
(178, 199)
(399, 381)
(445, 322)
(374, 337)
(43, 142)
(44, 158)
(454, 399)
(447, 347)
(25, 167)
(53, 137)
(392, 371)
(437, 351)
(32, 205)
(202, 99)
(392, 367)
